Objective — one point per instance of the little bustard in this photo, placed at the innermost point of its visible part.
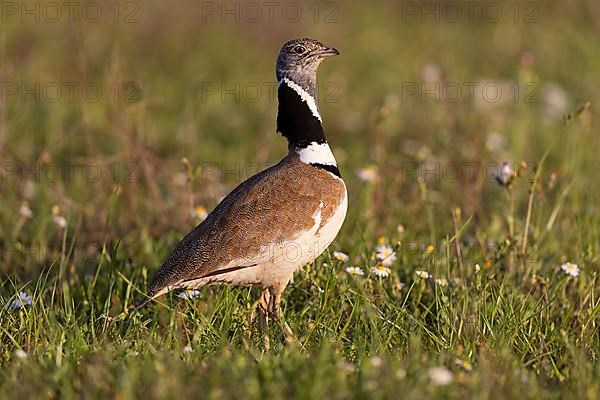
(280, 219)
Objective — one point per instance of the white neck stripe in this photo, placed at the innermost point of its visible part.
(316, 153)
(304, 95)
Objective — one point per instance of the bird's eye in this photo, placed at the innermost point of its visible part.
(299, 49)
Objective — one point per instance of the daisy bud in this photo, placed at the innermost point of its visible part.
(505, 174)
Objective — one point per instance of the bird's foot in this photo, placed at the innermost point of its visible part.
(288, 334)
(268, 306)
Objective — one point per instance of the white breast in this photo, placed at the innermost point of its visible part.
(316, 153)
(304, 249)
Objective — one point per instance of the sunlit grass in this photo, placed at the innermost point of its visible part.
(480, 298)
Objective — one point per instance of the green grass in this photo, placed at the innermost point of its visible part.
(509, 324)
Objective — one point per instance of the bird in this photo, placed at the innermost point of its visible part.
(278, 220)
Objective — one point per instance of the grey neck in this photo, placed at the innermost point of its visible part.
(306, 78)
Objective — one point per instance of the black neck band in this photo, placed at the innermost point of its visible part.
(327, 167)
(295, 119)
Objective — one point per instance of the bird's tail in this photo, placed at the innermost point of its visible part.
(142, 303)
(150, 296)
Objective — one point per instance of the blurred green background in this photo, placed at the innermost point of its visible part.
(150, 83)
(129, 119)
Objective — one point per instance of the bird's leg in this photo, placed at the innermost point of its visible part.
(263, 311)
(252, 315)
(275, 310)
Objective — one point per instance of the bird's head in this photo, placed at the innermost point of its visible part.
(299, 59)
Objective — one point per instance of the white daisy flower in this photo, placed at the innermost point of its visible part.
(340, 256)
(570, 269)
(464, 364)
(495, 142)
(57, 218)
(431, 73)
(355, 271)
(20, 354)
(188, 294)
(385, 254)
(440, 376)
(367, 173)
(423, 274)
(555, 101)
(21, 301)
(188, 349)
(443, 282)
(347, 367)
(199, 212)
(505, 174)
(60, 221)
(381, 271)
(25, 211)
(376, 361)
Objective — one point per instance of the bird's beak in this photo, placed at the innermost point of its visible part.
(327, 52)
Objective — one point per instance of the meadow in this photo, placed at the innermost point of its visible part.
(468, 263)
